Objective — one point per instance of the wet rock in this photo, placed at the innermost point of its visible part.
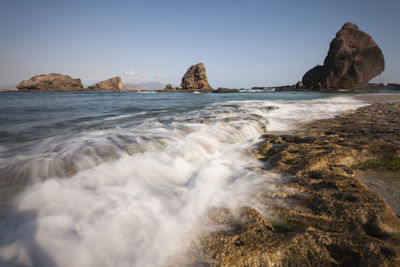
(226, 90)
(112, 84)
(53, 82)
(195, 79)
(321, 215)
(353, 59)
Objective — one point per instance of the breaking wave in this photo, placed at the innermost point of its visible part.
(127, 195)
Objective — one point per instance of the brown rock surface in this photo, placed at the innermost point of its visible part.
(353, 59)
(195, 79)
(321, 215)
(52, 82)
(112, 84)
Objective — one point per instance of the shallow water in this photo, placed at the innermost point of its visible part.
(118, 179)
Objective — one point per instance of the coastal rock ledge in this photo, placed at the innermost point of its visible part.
(53, 82)
(112, 84)
(353, 59)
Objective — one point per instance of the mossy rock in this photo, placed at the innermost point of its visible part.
(389, 164)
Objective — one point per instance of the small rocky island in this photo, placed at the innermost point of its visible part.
(222, 90)
(56, 82)
(53, 82)
(112, 84)
(194, 80)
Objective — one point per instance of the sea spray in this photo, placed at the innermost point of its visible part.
(136, 189)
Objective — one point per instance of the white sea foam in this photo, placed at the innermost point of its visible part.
(134, 207)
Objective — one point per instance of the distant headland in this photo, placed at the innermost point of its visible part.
(352, 61)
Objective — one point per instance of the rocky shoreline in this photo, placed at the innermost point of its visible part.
(322, 214)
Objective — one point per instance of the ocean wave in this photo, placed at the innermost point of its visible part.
(127, 196)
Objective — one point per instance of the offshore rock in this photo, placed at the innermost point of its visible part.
(53, 82)
(112, 84)
(169, 88)
(195, 79)
(353, 59)
(222, 90)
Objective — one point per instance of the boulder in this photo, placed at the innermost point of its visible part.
(353, 59)
(195, 79)
(112, 84)
(53, 82)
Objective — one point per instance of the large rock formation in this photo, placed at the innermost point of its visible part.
(52, 82)
(353, 59)
(195, 79)
(112, 84)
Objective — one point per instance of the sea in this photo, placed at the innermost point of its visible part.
(122, 179)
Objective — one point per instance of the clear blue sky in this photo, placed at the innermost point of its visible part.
(242, 43)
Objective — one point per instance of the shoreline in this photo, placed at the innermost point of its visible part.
(302, 208)
(323, 212)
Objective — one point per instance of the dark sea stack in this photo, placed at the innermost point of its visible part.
(53, 82)
(353, 60)
(195, 79)
(113, 84)
(222, 90)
